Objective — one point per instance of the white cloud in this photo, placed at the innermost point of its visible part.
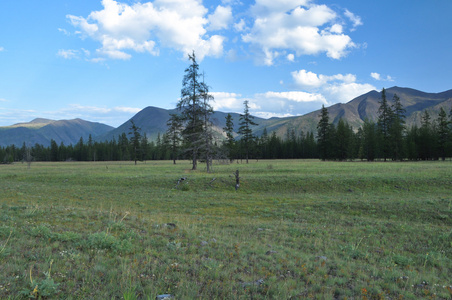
(298, 97)
(307, 79)
(356, 20)
(240, 26)
(287, 103)
(2, 49)
(64, 31)
(377, 76)
(100, 110)
(221, 18)
(224, 101)
(127, 109)
(270, 104)
(344, 92)
(298, 26)
(335, 88)
(145, 27)
(318, 90)
(336, 28)
(68, 54)
(291, 57)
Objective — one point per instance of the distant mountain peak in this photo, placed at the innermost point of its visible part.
(152, 120)
(41, 120)
(33, 124)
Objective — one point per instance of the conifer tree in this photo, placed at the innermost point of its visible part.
(385, 116)
(135, 140)
(230, 141)
(343, 139)
(425, 140)
(369, 140)
(323, 134)
(443, 133)
(246, 121)
(397, 129)
(145, 147)
(194, 106)
(173, 134)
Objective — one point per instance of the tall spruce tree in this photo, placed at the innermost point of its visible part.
(193, 105)
(397, 129)
(426, 137)
(246, 121)
(323, 134)
(369, 141)
(385, 116)
(173, 133)
(344, 141)
(135, 140)
(229, 143)
(442, 133)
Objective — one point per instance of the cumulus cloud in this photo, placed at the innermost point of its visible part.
(298, 26)
(240, 26)
(283, 104)
(344, 92)
(307, 79)
(221, 18)
(377, 76)
(270, 104)
(336, 88)
(227, 101)
(314, 91)
(146, 27)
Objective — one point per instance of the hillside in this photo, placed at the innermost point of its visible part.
(366, 107)
(42, 131)
(152, 120)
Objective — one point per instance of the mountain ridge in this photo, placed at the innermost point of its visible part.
(42, 131)
(152, 120)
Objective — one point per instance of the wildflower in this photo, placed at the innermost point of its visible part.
(35, 291)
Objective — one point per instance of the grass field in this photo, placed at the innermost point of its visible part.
(295, 229)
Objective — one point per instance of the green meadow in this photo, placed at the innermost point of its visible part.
(295, 229)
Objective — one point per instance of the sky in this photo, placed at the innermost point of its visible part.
(104, 61)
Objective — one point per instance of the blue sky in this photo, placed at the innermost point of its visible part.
(104, 61)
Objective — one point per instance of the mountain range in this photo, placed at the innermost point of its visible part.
(152, 120)
(42, 131)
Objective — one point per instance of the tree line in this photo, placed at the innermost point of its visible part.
(387, 138)
(191, 136)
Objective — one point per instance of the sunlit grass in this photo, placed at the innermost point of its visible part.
(295, 228)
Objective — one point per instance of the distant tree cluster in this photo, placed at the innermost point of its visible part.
(388, 138)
